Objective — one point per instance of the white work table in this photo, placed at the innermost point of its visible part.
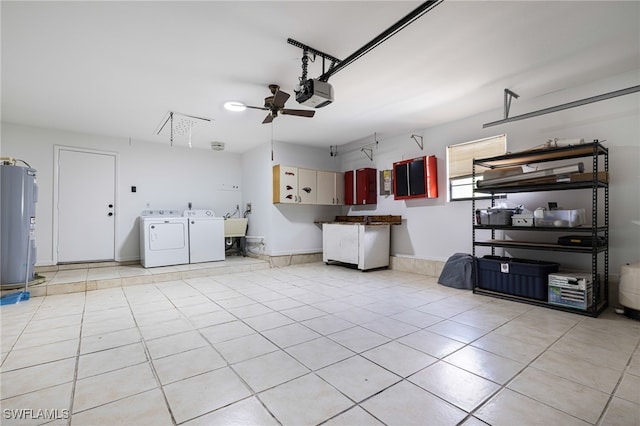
(363, 243)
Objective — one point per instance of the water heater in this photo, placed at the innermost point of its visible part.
(18, 197)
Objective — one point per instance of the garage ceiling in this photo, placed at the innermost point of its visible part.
(117, 68)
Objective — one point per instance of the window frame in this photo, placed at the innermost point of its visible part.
(493, 148)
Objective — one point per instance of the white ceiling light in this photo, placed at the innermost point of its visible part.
(235, 106)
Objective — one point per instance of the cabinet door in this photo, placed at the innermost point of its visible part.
(366, 186)
(349, 187)
(416, 178)
(339, 186)
(285, 184)
(326, 188)
(340, 243)
(374, 246)
(307, 186)
(330, 188)
(400, 180)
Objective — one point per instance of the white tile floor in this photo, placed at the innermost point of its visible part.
(311, 344)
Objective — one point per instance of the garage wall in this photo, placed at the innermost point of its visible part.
(436, 229)
(169, 177)
(166, 178)
(288, 229)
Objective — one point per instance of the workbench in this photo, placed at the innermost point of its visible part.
(359, 240)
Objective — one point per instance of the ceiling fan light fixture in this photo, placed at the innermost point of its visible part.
(235, 106)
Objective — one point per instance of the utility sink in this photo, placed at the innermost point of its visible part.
(235, 227)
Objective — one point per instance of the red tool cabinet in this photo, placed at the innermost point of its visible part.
(415, 178)
(360, 186)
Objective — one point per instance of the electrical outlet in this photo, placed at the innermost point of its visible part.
(248, 208)
(228, 187)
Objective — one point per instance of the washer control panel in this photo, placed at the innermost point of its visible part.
(199, 213)
(160, 213)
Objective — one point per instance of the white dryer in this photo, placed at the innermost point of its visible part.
(206, 236)
(164, 238)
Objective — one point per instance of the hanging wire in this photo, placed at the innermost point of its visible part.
(171, 117)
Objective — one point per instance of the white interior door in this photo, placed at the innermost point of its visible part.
(86, 206)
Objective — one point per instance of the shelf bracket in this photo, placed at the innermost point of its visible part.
(368, 152)
(508, 95)
(421, 143)
(560, 107)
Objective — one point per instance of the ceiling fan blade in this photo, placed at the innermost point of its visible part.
(298, 112)
(268, 119)
(279, 98)
(255, 107)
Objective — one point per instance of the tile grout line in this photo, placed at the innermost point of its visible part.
(77, 364)
(322, 291)
(228, 364)
(149, 359)
(530, 365)
(613, 392)
(21, 332)
(470, 414)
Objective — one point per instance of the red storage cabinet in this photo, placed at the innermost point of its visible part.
(415, 178)
(360, 186)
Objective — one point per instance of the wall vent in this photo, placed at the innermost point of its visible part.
(217, 146)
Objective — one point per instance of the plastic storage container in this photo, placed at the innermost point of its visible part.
(518, 277)
(495, 216)
(561, 218)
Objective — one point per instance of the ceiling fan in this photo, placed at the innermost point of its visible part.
(275, 104)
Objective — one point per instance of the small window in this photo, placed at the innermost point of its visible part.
(460, 165)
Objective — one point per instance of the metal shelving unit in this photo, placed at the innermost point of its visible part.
(598, 186)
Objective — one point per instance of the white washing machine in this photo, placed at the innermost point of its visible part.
(206, 236)
(164, 238)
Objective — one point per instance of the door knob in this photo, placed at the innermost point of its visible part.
(110, 206)
(110, 214)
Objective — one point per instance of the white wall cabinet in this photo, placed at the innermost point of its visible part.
(364, 245)
(330, 188)
(294, 185)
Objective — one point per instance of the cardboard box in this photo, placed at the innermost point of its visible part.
(523, 219)
(572, 289)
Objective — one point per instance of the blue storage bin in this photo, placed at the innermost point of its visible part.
(518, 277)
